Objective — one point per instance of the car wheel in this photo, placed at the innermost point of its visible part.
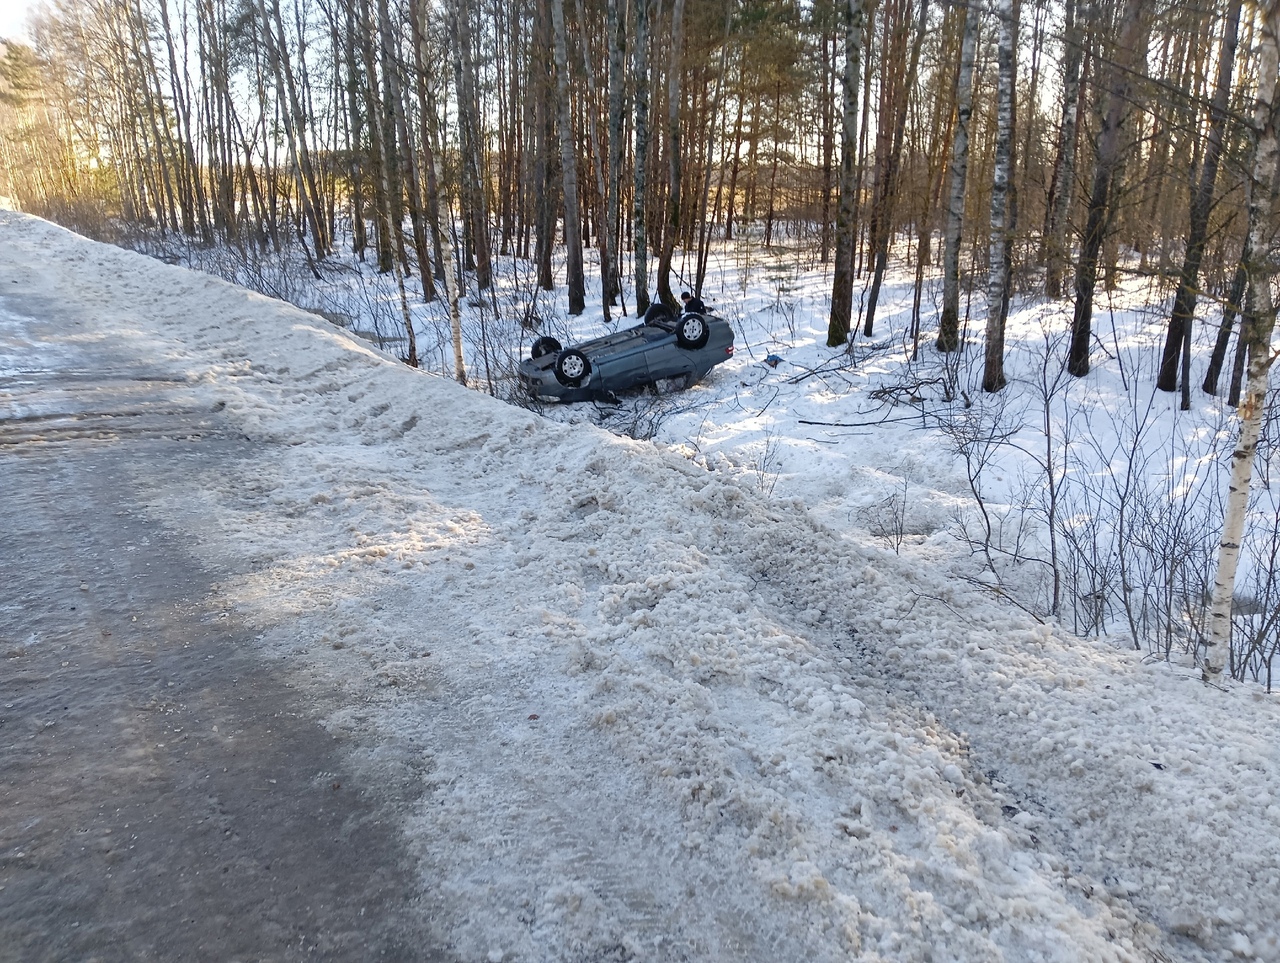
(656, 310)
(692, 331)
(572, 368)
(544, 346)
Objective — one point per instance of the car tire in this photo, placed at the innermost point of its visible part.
(657, 311)
(692, 331)
(572, 368)
(544, 346)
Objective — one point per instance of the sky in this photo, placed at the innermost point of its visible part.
(659, 711)
(13, 17)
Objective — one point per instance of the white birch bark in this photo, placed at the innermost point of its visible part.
(997, 280)
(949, 326)
(1258, 329)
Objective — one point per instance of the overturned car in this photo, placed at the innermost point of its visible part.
(661, 347)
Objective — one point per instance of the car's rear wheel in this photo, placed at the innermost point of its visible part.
(544, 346)
(572, 367)
(692, 331)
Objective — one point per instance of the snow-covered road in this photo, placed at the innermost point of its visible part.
(648, 713)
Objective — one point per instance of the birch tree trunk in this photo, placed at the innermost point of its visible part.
(569, 164)
(949, 324)
(998, 277)
(846, 209)
(1262, 268)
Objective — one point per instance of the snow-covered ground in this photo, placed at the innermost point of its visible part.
(701, 700)
(1095, 502)
(911, 452)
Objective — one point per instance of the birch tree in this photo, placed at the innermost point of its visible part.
(1262, 268)
(949, 323)
(1001, 210)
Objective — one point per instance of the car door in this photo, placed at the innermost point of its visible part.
(626, 364)
(666, 359)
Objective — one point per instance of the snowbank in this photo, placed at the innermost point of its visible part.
(656, 715)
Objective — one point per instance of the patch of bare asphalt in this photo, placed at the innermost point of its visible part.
(166, 794)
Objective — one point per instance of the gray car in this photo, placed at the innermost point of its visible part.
(662, 346)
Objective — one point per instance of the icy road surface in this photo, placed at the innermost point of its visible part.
(598, 702)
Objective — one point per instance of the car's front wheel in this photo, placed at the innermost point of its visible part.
(572, 367)
(544, 346)
(692, 331)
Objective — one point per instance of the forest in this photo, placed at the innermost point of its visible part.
(1016, 149)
